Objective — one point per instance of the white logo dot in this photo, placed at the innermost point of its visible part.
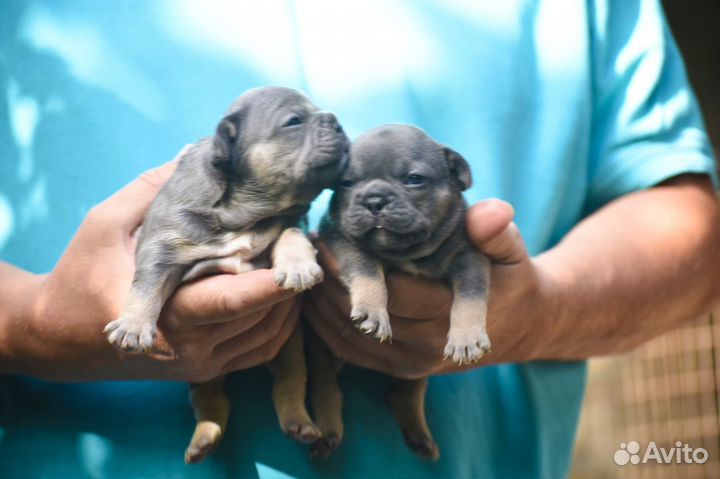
(621, 457)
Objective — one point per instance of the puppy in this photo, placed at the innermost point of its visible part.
(399, 207)
(236, 199)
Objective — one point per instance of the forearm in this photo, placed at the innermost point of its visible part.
(34, 342)
(642, 265)
(18, 293)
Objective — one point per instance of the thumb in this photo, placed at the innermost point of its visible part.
(491, 229)
(129, 205)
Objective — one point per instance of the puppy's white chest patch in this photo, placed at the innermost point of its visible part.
(237, 244)
(244, 245)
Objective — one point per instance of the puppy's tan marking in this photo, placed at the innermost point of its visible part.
(212, 409)
(261, 156)
(244, 245)
(289, 382)
(369, 297)
(406, 399)
(325, 396)
(467, 338)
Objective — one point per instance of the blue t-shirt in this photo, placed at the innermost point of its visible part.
(558, 106)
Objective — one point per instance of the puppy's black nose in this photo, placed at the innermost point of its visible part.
(375, 203)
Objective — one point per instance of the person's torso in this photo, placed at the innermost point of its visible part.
(96, 94)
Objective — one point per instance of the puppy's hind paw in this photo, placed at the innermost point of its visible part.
(325, 446)
(305, 432)
(130, 334)
(423, 446)
(464, 347)
(373, 322)
(204, 441)
(298, 274)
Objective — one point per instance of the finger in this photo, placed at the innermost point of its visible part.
(426, 335)
(350, 345)
(491, 230)
(327, 260)
(224, 297)
(209, 334)
(128, 206)
(262, 333)
(265, 352)
(221, 332)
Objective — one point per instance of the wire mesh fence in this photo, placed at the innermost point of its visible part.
(651, 413)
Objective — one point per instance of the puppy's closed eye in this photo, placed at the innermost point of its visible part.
(292, 121)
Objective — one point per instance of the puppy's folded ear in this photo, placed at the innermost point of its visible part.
(459, 169)
(225, 144)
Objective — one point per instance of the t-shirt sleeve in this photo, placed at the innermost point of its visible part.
(647, 125)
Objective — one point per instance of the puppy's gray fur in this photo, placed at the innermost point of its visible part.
(399, 207)
(232, 196)
(235, 201)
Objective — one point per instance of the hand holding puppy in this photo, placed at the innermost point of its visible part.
(214, 325)
(420, 309)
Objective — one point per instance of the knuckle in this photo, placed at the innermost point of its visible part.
(170, 321)
(102, 220)
(153, 178)
(273, 325)
(189, 351)
(273, 350)
(227, 304)
(203, 375)
(100, 217)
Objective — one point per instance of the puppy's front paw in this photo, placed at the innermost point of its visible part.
(466, 345)
(298, 274)
(130, 334)
(374, 322)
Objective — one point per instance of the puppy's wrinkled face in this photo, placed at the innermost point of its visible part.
(277, 142)
(398, 188)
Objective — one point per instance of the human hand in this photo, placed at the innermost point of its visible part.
(520, 300)
(211, 326)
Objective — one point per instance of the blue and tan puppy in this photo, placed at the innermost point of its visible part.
(234, 204)
(399, 206)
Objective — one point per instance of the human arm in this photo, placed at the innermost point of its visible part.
(643, 264)
(51, 325)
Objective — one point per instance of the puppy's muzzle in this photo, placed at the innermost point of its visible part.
(331, 142)
(378, 207)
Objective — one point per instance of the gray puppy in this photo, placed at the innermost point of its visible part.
(399, 207)
(234, 202)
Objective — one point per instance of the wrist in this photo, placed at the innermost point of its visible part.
(20, 299)
(555, 298)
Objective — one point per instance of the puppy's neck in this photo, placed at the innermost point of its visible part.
(245, 207)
